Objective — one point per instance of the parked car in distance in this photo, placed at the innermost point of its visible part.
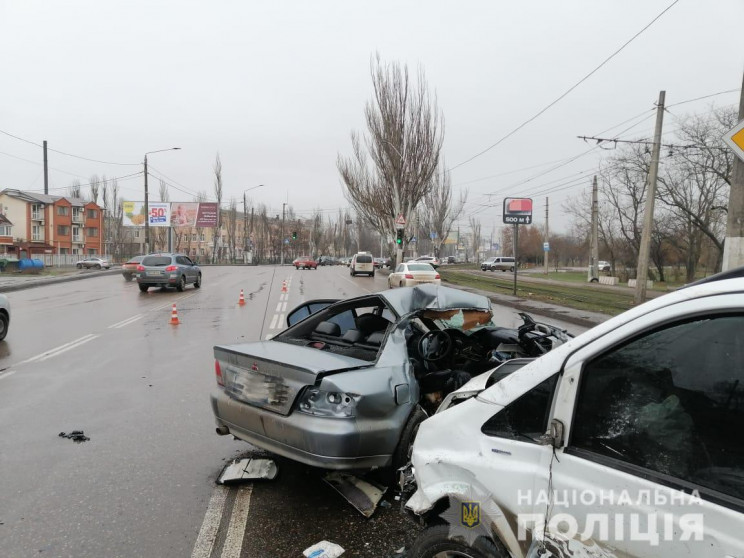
(502, 263)
(431, 260)
(485, 265)
(347, 384)
(451, 259)
(4, 316)
(93, 262)
(305, 262)
(362, 263)
(603, 265)
(379, 262)
(413, 273)
(634, 409)
(129, 268)
(168, 270)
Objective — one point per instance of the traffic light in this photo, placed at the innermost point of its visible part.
(399, 238)
(294, 235)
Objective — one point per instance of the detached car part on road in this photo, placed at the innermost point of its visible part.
(628, 434)
(348, 383)
(168, 270)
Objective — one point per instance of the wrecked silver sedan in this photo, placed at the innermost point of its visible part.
(348, 383)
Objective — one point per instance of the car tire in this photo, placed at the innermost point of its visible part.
(511, 269)
(402, 453)
(353, 274)
(98, 266)
(372, 274)
(4, 323)
(128, 277)
(594, 280)
(181, 284)
(437, 540)
(197, 283)
(79, 266)
(143, 287)
(297, 267)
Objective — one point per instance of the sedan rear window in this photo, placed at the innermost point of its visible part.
(420, 267)
(157, 261)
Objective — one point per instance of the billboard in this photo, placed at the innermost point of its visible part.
(166, 214)
(518, 211)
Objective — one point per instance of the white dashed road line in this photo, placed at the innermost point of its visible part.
(236, 529)
(127, 321)
(61, 349)
(6, 374)
(208, 532)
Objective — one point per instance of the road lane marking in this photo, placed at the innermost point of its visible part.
(127, 321)
(6, 374)
(61, 349)
(284, 307)
(278, 307)
(281, 321)
(208, 532)
(273, 321)
(236, 529)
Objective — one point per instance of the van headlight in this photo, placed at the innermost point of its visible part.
(334, 404)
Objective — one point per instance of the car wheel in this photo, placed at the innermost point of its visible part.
(127, 277)
(181, 284)
(402, 454)
(4, 322)
(98, 266)
(353, 274)
(511, 269)
(594, 280)
(79, 266)
(438, 541)
(197, 283)
(372, 274)
(143, 287)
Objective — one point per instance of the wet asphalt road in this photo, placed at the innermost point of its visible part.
(97, 355)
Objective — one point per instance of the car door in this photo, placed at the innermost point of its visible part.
(654, 465)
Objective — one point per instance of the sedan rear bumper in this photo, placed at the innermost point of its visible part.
(327, 443)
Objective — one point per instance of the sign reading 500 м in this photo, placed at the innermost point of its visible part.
(518, 211)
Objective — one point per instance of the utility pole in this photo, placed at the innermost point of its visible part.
(46, 170)
(547, 236)
(733, 248)
(147, 214)
(281, 237)
(648, 217)
(245, 227)
(594, 239)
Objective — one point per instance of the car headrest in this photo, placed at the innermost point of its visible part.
(328, 328)
(367, 323)
(353, 336)
(376, 338)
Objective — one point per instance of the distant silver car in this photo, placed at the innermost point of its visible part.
(168, 270)
(93, 262)
(4, 316)
(348, 383)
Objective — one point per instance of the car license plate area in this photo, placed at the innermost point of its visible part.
(156, 273)
(258, 389)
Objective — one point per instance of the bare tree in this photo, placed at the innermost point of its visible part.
(438, 214)
(95, 186)
(218, 194)
(75, 189)
(392, 165)
(232, 229)
(316, 233)
(161, 233)
(475, 228)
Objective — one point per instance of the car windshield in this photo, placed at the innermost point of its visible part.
(463, 320)
(156, 261)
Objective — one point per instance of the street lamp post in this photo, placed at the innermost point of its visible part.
(147, 200)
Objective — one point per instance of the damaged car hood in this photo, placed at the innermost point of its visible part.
(434, 297)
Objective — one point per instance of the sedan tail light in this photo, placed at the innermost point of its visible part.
(171, 268)
(409, 276)
(140, 268)
(437, 276)
(218, 373)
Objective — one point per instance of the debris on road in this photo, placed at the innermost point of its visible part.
(75, 436)
(248, 468)
(361, 494)
(323, 549)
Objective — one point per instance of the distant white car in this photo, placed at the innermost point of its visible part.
(413, 273)
(603, 266)
(4, 316)
(93, 262)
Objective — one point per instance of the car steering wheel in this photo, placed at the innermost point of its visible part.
(435, 345)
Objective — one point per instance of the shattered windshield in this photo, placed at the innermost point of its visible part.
(464, 320)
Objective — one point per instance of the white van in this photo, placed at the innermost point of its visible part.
(362, 263)
(625, 441)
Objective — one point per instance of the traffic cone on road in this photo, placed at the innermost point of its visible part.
(174, 315)
(284, 286)
(241, 300)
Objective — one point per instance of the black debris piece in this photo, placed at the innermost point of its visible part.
(75, 436)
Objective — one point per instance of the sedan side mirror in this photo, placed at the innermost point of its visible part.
(555, 435)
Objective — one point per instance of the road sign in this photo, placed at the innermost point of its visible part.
(546, 247)
(432, 235)
(517, 211)
(734, 138)
(401, 221)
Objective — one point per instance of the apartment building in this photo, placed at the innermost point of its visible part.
(33, 224)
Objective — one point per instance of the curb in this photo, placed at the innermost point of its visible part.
(30, 284)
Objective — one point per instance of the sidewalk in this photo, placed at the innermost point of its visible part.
(10, 282)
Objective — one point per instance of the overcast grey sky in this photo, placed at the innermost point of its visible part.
(277, 87)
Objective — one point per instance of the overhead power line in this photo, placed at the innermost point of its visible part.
(570, 89)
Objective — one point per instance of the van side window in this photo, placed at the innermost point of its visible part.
(671, 402)
(526, 418)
